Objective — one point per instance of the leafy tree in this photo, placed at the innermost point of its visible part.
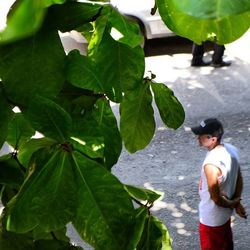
(65, 175)
(199, 20)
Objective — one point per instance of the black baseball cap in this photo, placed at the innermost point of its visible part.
(211, 126)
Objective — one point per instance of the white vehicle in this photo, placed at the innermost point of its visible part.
(151, 26)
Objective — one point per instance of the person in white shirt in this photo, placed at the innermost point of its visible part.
(220, 189)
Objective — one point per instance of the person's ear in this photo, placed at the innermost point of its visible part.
(214, 139)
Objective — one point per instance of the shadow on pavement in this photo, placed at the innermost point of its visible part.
(171, 45)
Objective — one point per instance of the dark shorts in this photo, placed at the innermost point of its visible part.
(216, 238)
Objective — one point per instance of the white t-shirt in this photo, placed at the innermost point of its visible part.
(226, 159)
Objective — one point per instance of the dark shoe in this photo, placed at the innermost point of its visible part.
(221, 64)
(200, 64)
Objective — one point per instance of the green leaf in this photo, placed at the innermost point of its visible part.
(214, 10)
(96, 134)
(49, 118)
(164, 239)
(76, 100)
(223, 28)
(40, 234)
(19, 131)
(6, 115)
(155, 235)
(86, 136)
(27, 149)
(13, 241)
(32, 66)
(123, 30)
(171, 110)
(71, 15)
(10, 172)
(105, 212)
(140, 219)
(25, 18)
(53, 245)
(142, 194)
(107, 122)
(48, 196)
(121, 66)
(82, 72)
(137, 122)
(90, 146)
(99, 27)
(7, 193)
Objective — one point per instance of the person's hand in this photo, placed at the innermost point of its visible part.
(240, 210)
(235, 202)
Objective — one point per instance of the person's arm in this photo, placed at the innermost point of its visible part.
(239, 185)
(240, 210)
(212, 173)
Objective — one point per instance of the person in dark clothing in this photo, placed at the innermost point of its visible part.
(217, 58)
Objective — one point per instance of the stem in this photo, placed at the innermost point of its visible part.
(14, 155)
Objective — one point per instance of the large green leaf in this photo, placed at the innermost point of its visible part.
(71, 15)
(137, 122)
(224, 28)
(6, 115)
(86, 136)
(13, 241)
(90, 146)
(10, 172)
(171, 110)
(141, 217)
(96, 134)
(26, 150)
(124, 30)
(214, 10)
(105, 212)
(155, 236)
(121, 67)
(48, 196)
(76, 100)
(54, 245)
(40, 234)
(32, 66)
(142, 194)
(107, 123)
(82, 72)
(25, 18)
(49, 118)
(19, 131)
(99, 27)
